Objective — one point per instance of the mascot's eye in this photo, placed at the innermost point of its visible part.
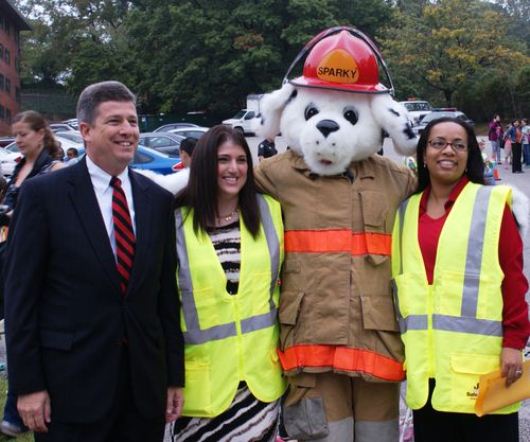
(310, 111)
(351, 116)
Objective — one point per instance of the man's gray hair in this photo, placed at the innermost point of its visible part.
(97, 93)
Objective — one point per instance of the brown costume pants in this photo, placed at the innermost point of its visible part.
(328, 407)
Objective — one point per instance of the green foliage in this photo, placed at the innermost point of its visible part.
(449, 46)
(189, 55)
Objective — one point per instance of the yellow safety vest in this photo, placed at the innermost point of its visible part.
(230, 338)
(452, 329)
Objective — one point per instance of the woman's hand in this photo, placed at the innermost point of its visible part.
(511, 365)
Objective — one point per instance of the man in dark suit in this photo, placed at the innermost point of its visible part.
(94, 343)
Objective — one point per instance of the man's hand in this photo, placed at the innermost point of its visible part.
(175, 401)
(511, 365)
(35, 410)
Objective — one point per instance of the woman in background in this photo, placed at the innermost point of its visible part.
(41, 153)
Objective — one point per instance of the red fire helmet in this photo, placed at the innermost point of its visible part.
(342, 61)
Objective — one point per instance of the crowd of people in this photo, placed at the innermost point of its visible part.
(514, 139)
(131, 312)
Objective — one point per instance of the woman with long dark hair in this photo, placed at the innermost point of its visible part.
(230, 249)
(457, 262)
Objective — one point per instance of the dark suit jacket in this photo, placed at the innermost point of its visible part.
(65, 316)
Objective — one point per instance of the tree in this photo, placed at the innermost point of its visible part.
(210, 55)
(449, 43)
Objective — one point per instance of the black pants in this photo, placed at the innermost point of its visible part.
(438, 426)
(516, 157)
(124, 423)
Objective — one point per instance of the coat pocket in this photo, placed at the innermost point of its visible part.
(290, 306)
(378, 313)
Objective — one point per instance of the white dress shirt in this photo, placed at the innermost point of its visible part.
(101, 183)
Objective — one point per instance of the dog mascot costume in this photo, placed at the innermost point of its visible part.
(340, 346)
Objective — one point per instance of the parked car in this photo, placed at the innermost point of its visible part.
(435, 114)
(61, 127)
(8, 161)
(74, 136)
(242, 120)
(66, 143)
(73, 123)
(4, 141)
(417, 109)
(165, 142)
(193, 132)
(171, 126)
(150, 159)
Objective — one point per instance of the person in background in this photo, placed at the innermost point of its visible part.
(515, 135)
(457, 263)
(41, 154)
(266, 149)
(186, 150)
(495, 135)
(525, 130)
(230, 251)
(71, 155)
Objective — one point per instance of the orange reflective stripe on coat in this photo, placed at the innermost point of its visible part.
(337, 241)
(342, 359)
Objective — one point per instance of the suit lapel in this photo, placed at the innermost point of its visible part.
(143, 220)
(85, 203)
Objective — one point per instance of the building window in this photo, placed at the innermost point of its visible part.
(17, 64)
(2, 112)
(8, 115)
(7, 56)
(8, 85)
(17, 94)
(2, 87)
(1, 51)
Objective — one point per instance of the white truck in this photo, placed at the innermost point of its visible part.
(242, 120)
(417, 109)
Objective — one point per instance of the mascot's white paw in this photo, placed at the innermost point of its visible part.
(173, 183)
(521, 210)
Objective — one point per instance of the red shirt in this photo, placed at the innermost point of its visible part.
(516, 327)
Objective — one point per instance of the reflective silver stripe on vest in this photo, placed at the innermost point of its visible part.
(194, 335)
(402, 210)
(413, 322)
(467, 325)
(185, 285)
(474, 252)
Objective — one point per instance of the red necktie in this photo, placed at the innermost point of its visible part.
(123, 232)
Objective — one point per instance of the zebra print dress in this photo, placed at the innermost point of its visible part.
(247, 419)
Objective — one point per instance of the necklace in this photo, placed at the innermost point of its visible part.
(227, 218)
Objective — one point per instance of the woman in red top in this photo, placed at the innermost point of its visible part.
(448, 157)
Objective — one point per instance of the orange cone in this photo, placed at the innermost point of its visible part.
(496, 174)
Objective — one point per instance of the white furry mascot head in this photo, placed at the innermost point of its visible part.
(337, 111)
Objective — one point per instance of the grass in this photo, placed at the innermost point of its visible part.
(26, 437)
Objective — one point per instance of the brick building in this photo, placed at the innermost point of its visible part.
(11, 23)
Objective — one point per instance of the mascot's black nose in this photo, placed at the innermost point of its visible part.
(327, 126)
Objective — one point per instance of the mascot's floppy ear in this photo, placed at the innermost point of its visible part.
(394, 119)
(267, 123)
